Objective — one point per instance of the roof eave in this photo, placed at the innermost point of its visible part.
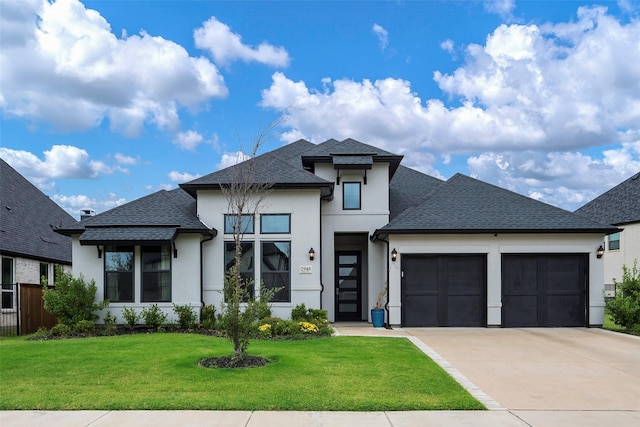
(382, 234)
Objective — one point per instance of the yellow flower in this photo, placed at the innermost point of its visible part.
(265, 327)
(308, 328)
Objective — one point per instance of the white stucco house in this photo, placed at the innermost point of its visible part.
(341, 221)
(620, 206)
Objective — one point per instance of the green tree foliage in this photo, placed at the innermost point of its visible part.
(72, 300)
(624, 308)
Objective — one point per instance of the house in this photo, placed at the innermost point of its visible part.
(619, 206)
(341, 221)
(29, 248)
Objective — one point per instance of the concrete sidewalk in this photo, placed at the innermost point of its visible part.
(488, 357)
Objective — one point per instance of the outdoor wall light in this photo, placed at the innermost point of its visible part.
(99, 251)
(312, 254)
(394, 255)
(599, 252)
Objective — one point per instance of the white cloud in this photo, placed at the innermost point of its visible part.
(504, 8)
(188, 140)
(61, 161)
(230, 159)
(180, 177)
(63, 65)
(382, 34)
(126, 160)
(73, 204)
(226, 46)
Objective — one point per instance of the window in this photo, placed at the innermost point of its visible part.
(275, 269)
(231, 222)
(351, 195)
(275, 223)
(44, 273)
(8, 287)
(118, 270)
(246, 261)
(614, 241)
(156, 273)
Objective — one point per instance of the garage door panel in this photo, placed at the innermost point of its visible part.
(523, 311)
(443, 290)
(565, 310)
(523, 273)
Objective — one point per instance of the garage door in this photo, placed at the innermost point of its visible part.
(444, 290)
(544, 290)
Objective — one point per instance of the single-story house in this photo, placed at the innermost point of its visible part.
(29, 248)
(620, 206)
(343, 221)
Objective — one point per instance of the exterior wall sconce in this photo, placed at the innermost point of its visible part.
(394, 255)
(599, 252)
(99, 251)
(312, 254)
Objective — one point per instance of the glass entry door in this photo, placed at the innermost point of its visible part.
(348, 283)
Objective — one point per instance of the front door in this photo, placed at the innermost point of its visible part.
(348, 283)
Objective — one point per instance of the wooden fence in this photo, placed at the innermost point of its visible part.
(23, 310)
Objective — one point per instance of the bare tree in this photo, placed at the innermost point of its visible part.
(245, 189)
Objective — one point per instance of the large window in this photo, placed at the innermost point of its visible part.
(351, 195)
(8, 287)
(275, 223)
(231, 224)
(275, 269)
(246, 261)
(118, 268)
(156, 273)
(614, 241)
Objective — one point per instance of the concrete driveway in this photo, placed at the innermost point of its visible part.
(564, 369)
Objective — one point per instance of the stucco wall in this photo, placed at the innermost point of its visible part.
(304, 207)
(494, 247)
(628, 252)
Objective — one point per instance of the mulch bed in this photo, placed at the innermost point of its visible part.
(234, 362)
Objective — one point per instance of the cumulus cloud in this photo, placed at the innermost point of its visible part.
(180, 177)
(188, 140)
(504, 8)
(126, 160)
(382, 34)
(61, 161)
(63, 65)
(230, 159)
(225, 46)
(559, 87)
(75, 203)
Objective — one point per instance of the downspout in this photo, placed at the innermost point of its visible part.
(320, 262)
(387, 325)
(211, 236)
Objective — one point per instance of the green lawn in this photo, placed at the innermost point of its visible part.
(160, 371)
(608, 324)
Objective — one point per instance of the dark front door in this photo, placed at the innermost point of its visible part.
(544, 290)
(348, 285)
(444, 290)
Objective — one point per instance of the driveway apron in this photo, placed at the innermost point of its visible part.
(564, 369)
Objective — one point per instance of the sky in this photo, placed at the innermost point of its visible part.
(103, 102)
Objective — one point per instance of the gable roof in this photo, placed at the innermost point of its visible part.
(467, 205)
(618, 206)
(157, 217)
(408, 189)
(26, 217)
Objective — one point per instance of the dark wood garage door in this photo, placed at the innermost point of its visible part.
(544, 290)
(444, 290)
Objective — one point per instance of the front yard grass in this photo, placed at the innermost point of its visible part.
(160, 371)
(609, 325)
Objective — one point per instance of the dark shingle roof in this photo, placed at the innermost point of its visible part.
(618, 206)
(158, 216)
(466, 205)
(26, 216)
(408, 189)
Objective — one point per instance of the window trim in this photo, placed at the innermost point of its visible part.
(288, 215)
(609, 241)
(344, 184)
(143, 271)
(13, 289)
(232, 232)
(117, 248)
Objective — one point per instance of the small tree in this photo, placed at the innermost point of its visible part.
(72, 300)
(624, 308)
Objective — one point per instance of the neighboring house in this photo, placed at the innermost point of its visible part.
(619, 206)
(29, 248)
(341, 220)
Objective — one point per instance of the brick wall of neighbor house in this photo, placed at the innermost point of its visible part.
(27, 270)
(494, 247)
(628, 252)
(304, 208)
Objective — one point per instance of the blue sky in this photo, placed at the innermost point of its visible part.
(106, 101)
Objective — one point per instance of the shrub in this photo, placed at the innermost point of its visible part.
(624, 308)
(86, 327)
(208, 316)
(60, 330)
(131, 317)
(311, 315)
(186, 316)
(109, 320)
(72, 300)
(299, 312)
(154, 317)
